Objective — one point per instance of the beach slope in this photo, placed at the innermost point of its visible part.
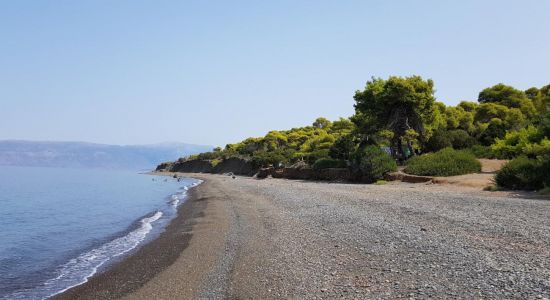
(274, 238)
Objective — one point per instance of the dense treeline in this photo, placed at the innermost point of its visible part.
(399, 117)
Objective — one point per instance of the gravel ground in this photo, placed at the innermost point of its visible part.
(308, 240)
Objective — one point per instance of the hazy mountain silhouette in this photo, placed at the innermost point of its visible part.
(90, 155)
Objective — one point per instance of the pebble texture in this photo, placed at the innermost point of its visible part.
(311, 240)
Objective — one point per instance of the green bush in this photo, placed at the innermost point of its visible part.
(343, 147)
(208, 155)
(482, 151)
(266, 158)
(541, 149)
(460, 139)
(523, 173)
(439, 140)
(313, 156)
(496, 129)
(545, 171)
(326, 163)
(447, 162)
(515, 143)
(457, 139)
(373, 163)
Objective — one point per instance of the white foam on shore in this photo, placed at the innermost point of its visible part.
(90, 261)
(78, 270)
(177, 197)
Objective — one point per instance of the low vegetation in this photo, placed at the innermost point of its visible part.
(446, 162)
(523, 173)
(373, 163)
(327, 163)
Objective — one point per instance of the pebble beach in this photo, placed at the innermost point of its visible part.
(275, 238)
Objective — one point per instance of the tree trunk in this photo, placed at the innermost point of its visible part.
(409, 145)
(400, 150)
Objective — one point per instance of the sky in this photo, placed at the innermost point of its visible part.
(215, 72)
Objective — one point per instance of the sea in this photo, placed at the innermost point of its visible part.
(59, 226)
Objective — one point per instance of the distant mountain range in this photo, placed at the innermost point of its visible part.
(89, 155)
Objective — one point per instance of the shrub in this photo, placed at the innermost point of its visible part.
(545, 191)
(313, 156)
(208, 155)
(482, 151)
(545, 171)
(265, 158)
(447, 162)
(343, 147)
(523, 173)
(215, 162)
(457, 139)
(326, 163)
(541, 149)
(439, 140)
(373, 163)
(515, 142)
(460, 139)
(495, 129)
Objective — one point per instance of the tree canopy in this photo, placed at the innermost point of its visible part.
(402, 105)
(508, 96)
(401, 114)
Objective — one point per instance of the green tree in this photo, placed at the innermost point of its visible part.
(488, 111)
(540, 98)
(545, 124)
(316, 147)
(439, 140)
(452, 114)
(468, 106)
(341, 127)
(439, 120)
(322, 123)
(508, 96)
(532, 93)
(343, 147)
(495, 129)
(460, 139)
(398, 104)
(275, 140)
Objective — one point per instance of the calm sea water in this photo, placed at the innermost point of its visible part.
(60, 226)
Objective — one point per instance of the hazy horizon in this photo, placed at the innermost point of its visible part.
(135, 73)
(107, 144)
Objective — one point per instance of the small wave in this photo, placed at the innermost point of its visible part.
(92, 260)
(175, 199)
(71, 273)
(79, 269)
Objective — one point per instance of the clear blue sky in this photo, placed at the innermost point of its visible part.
(214, 72)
